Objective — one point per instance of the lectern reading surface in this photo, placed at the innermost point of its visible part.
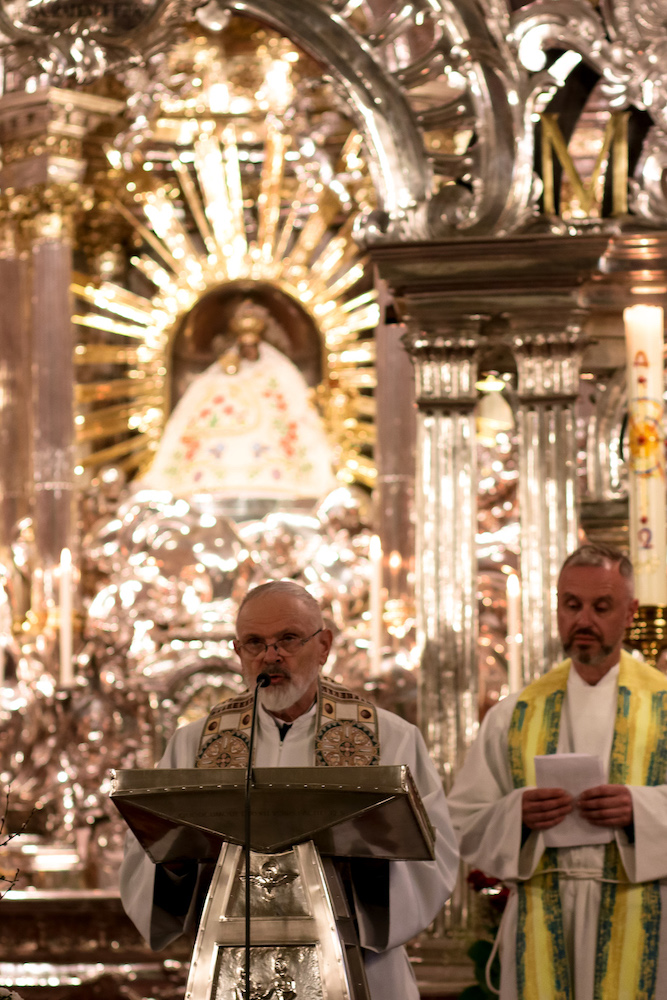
(304, 943)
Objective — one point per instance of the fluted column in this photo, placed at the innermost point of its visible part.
(446, 566)
(52, 339)
(15, 422)
(45, 138)
(548, 354)
(395, 450)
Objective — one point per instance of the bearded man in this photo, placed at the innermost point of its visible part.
(280, 632)
(583, 921)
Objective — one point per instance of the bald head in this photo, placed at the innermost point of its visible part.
(286, 588)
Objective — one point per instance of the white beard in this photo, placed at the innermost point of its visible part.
(279, 698)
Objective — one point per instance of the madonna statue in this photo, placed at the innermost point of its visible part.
(245, 427)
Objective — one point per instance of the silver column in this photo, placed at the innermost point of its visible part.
(52, 382)
(446, 579)
(395, 453)
(45, 150)
(15, 472)
(548, 361)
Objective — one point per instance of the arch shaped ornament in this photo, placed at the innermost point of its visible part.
(437, 94)
(261, 203)
(400, 172)
(433, 86)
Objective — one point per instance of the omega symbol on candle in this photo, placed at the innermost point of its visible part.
(645, 535)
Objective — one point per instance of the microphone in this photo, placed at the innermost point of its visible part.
(263, 680)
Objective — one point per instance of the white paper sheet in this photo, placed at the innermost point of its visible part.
(575, 772)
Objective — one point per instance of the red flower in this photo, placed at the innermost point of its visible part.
(478, 880)
(495, 891)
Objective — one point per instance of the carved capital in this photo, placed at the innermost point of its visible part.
(46, 213)
(445, 361)
(548, 354)
(42, 135)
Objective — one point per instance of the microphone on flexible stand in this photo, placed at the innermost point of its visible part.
(263, 680)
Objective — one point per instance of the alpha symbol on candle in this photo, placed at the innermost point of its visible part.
(641, 361)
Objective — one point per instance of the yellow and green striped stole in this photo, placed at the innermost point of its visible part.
(629, 920)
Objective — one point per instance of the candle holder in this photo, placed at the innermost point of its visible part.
(399, 617)
(648, 634)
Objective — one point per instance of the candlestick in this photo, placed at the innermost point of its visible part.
(514, 636)
(375, 553)
(644, 337)
(395, 564)
(65, 618)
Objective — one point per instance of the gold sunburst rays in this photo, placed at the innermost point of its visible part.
(223, 208)
(128, 339)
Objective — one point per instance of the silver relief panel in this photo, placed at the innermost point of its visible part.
(283, 973)
(276, 888)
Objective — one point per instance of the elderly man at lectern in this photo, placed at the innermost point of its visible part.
(304, 720)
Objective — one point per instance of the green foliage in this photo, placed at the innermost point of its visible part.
(480, 952)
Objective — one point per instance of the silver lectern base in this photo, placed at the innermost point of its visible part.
(304, 944)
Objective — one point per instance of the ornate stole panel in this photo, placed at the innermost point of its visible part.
(346, 735)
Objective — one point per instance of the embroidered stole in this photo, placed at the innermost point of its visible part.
(346, 734)
(629, 920)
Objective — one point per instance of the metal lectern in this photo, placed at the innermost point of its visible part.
(303, 935)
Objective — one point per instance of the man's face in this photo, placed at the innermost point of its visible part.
(271, 617)
(595, 606)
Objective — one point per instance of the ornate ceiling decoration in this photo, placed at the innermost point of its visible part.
(437, 94)
(447, 97)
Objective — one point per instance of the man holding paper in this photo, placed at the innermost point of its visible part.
(583, 920)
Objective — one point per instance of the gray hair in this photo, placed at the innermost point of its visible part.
(600, 555)
(287, 587)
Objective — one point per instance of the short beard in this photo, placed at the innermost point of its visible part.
(278, 699)
(587, 656)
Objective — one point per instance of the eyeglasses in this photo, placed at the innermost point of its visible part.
(288, 644)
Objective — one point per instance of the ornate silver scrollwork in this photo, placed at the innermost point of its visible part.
(82, 39)
(445, 93)
(626, 43)
(436, 91)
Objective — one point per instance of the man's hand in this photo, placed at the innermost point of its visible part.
(545, 807)
(607, 805)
